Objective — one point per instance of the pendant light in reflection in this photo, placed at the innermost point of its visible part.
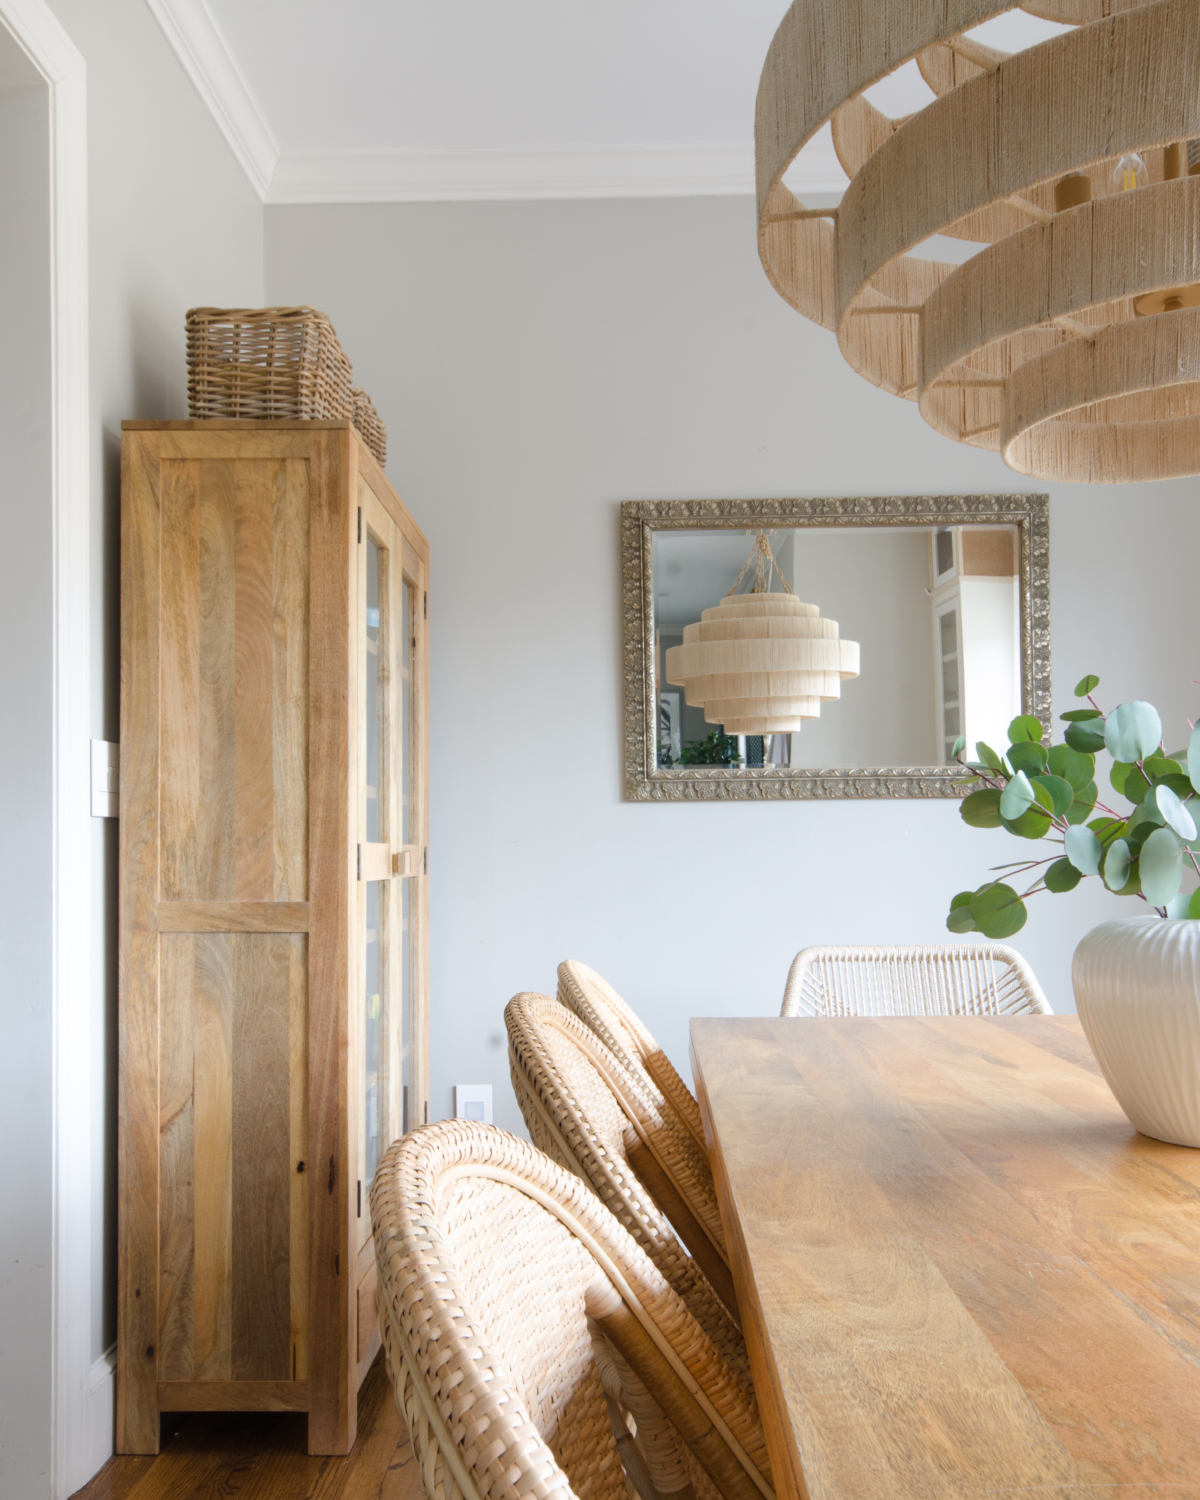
(762, 662)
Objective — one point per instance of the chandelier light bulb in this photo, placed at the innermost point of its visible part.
(1129, 173)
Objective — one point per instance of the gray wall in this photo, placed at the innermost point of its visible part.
(536, 364)
(26, 744)
(173, 224)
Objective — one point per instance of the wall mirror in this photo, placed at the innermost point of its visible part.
(945, 597)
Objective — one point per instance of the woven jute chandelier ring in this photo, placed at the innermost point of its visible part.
(1071, 343)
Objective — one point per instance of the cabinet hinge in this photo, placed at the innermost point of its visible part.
(360, 1197)
(360, 523)
(425, 606)
(425, 861)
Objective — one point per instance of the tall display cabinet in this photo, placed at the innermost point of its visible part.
(273, 912)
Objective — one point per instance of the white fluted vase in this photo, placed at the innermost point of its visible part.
(1137, 987)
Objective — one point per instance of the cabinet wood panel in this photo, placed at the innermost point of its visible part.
(234, 626)
(241, 964)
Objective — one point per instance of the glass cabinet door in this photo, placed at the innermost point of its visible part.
(390, 854)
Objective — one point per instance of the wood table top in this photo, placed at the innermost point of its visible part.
(961, 1270)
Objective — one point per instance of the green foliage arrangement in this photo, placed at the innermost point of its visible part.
(716, 749)
(1045, 791)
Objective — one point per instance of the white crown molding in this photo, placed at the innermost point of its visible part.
(51, 51)
(197, 42)
(404, 176)
(455, 176)
(463, 176)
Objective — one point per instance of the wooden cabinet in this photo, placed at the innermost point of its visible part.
(273, 912)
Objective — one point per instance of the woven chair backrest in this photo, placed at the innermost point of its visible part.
(485, 1250)
(624, 1033)
(579, 1104)
(971, 979)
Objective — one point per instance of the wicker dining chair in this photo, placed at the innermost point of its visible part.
(528, 1338)
(968, 979)
(624, 1033)
(584, 1110)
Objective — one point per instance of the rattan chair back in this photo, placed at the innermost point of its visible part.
(624, 1033)
(969, 979)
(489, 1258)
(583, 1109)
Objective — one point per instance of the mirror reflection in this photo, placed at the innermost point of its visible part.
(934, 611)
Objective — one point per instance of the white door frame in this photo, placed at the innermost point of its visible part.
(37, 31)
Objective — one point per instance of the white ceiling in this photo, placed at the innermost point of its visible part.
(328, 100)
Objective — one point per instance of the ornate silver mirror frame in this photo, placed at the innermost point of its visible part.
(646, 781)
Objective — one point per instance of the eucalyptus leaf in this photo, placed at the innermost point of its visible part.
(960, 918)
(1071, 766)
(1116, 777)
(1194, 905)
(960, 745)
(1160, 866)
(1137, 784)
(1174, 814)
(1084, 804)
(1016, 798)
(1193, 758)
(982, 808)
(1086, 685)
(1024, 727)
(1086, 737)
(1117, 860)
(1178, 905)
(1061, 793)
(1145, 813)
(988, 755)
(1133, 731)
(1081, 715)
(1035, 822)
(1027, 756)
(1159, 766)
(1084, 850)
(1106, 829)
(998, 911)
(1062, 876)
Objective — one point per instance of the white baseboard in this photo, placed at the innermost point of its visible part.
(101, 1409)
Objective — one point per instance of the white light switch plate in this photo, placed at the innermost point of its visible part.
(106, 778)
(473, 1101)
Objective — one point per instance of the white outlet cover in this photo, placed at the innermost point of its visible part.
(473, 1101)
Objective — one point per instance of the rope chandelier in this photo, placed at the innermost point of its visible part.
(1070, 344)
(761, 662)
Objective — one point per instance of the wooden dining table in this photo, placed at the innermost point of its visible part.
(960, 1270)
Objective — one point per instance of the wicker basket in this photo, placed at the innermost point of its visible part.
(267, 362)
(370, 425)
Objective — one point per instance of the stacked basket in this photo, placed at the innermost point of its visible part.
(275, 363)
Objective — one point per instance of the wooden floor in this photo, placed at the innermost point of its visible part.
(255, 1456)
